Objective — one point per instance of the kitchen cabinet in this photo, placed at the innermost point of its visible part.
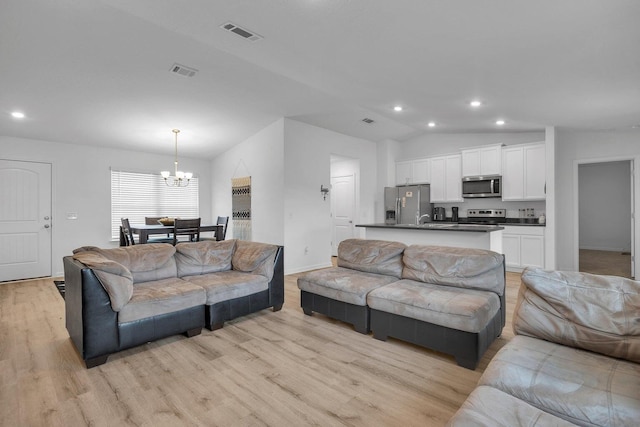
(403, 173)
(421, 171)
(523, 247)
(413, 172)
(524, 172)
(446, 178)
(482, 161)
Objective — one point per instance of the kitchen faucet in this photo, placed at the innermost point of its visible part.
(418, 219)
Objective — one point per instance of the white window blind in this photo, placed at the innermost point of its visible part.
(137, 195)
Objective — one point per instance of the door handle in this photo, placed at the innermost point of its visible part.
(47, 226)
(46, 218)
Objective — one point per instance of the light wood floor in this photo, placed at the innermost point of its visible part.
(275, 369)
(605, 262)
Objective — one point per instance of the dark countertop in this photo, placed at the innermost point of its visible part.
(438, 226)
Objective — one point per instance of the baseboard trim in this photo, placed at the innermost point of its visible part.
(306, 268)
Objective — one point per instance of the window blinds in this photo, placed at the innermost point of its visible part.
(137, 195)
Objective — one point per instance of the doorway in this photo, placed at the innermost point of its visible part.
(344, 199)
(606, 218)
(25, 220)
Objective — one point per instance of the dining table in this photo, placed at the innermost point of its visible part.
(144, 231)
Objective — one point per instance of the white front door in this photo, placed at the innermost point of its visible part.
(25, 220)
(342, 207)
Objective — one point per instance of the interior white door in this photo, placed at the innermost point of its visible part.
(633, 220)
(343, 197)
(25, 220)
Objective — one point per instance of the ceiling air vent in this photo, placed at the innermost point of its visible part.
(242, 32)
(183, 71)
(367, 120)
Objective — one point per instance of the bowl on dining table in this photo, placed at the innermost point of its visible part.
(166, 221)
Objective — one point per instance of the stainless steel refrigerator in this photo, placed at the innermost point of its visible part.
(405, 204)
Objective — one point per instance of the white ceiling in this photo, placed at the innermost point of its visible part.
(97, 72)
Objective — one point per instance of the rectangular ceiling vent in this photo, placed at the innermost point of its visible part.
(183, 71)
(242, 32)
(367, 120)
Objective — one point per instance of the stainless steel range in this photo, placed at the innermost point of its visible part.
(486, 216)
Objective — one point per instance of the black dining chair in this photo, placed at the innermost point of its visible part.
(186, 227)
(153, 220)
(224, 221)
(126, 235)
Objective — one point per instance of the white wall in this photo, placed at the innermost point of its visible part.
(573, 148)
(307, 153)
(262, 158)
(605, 206)
(81, 183)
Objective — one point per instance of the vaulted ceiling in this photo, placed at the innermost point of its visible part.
(98, 72)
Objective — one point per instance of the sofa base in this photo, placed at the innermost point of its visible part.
(217, 314)
(466, 347)
(356, 315)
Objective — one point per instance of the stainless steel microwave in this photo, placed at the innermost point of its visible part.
(482, 186)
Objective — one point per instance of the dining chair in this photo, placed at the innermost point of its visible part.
(186, 227)
(153, 220)
(126, 236)
(224, 221)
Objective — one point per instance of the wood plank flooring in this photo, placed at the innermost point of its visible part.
(266, 369)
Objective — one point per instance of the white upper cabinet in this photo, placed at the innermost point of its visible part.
(446, 178)
(421, 170)
(403, 173)
(413, 172)
(486, 160)
(524, 172)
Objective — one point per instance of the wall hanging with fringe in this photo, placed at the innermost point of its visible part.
(241, 207)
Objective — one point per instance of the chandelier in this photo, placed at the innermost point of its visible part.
(179, 179)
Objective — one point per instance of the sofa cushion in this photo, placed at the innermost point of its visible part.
(114, 277)
(462, 309)
(161, 297)
(460, 267)
(226, 285)
(490, 407)
(582, 387)
(343, 284)
(596, 313)
(371, 256)
(255, 258)
(204, 257)
(152, 261)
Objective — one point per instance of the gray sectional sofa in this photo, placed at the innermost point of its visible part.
(575, 359)
(123, 297)
(447, 299)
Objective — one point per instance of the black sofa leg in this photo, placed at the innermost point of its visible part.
(277, 307)
(467, 363)
(307, 311)
(215, 326)
(361, 328)
(96, 361)
(193, 332)
(379, 336)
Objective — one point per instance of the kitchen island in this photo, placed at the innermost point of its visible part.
(439, 233)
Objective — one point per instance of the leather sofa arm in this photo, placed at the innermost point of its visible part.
(276, 285)
(92, 324)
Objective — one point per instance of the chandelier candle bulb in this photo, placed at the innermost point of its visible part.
(180, 178)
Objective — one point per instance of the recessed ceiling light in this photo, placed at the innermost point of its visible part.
(475, 103)
(17, 115)
(500, 122)
(397, 108)
(431, 124)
